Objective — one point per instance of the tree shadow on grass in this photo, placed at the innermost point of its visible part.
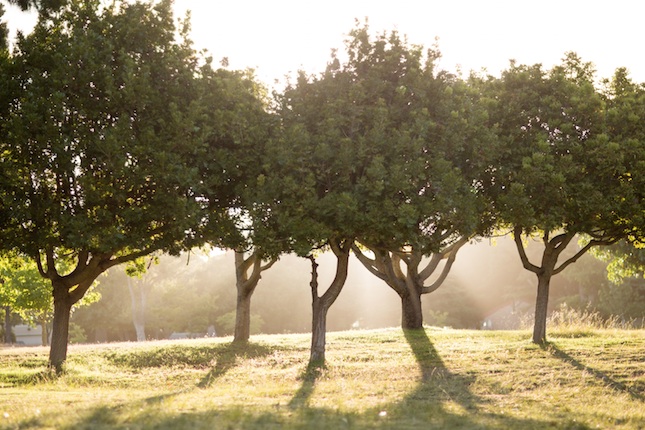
(425, 406)
(308, 378)
(436, 380)
(601, 376)
(441, 399)
(228, 356)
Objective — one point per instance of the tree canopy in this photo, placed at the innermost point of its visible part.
(558, 172)
(101, 137)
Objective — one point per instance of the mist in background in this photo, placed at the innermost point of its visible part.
(195, 295)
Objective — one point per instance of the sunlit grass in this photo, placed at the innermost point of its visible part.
(436, 378)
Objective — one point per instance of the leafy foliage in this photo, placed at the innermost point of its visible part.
(101, 139)
(561, 169)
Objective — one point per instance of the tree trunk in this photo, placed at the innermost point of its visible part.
(321, 304)
(138, 310)
(60, 330)
(318, 332)
(45, 333)
(411, 315)
(541, 307)
(7, 325)
(242, 317)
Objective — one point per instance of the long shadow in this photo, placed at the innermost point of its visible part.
(227, 357)
(436, 387)
(429, 405)
(308, 378)
(435, 377)
(601, 376)
(440, 393)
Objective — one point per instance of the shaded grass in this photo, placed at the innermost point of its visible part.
(372, 379)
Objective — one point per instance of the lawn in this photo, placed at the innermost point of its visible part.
(437, 378)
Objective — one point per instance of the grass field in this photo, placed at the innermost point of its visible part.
(439, 378)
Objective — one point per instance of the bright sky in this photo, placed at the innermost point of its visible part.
(278, 37)
(281, 36)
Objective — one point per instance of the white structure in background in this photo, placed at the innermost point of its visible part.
(28, 336)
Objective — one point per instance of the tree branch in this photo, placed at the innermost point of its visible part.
(111, 262)
(81, 264)
(520, 248)
(255, 273)
(451, 249)
(39, 264)
(51, 263)
(431, 266)
(368, 263)
(444, 273)
(582, 251)
(242, 264)
(269, 264)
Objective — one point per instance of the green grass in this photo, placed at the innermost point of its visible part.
(373, 379)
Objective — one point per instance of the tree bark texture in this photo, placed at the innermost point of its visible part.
(7, 325)
(541, 308)
(411, 312)
(318, 332)
(246, 282)
(321, 304)
(60, 328)
(242, 317)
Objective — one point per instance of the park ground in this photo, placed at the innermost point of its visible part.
(435, 378)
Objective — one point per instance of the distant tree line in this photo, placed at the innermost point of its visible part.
(119, 141)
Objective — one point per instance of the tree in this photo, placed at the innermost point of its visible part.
(24, 292)
(558, 174)
(235, 154)
(364, 156)
(420, 132)
(310, 189)
(102, 135)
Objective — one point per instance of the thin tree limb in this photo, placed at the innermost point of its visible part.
(520, 248)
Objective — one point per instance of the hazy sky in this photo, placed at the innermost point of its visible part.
(281, 36)
(277, 37)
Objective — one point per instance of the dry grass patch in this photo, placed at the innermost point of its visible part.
(373, 379)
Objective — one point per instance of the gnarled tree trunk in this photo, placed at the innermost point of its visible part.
(321, 304)
(246, 283)
(409, 283)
